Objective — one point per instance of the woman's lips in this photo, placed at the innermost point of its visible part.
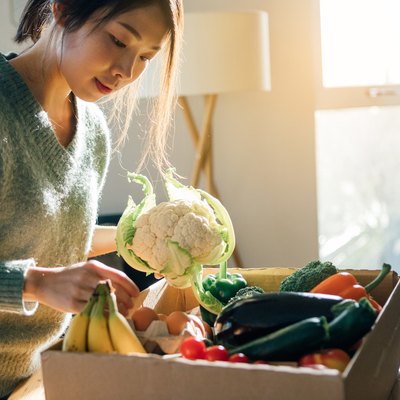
(102, 88)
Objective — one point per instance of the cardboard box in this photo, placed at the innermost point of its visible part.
(370, 375)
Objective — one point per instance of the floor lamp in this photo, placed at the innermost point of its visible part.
(223, 52)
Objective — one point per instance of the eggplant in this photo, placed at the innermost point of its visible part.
(251, 318)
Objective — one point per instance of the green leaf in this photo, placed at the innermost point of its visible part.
(127, 224)
(225, 220)
(179, 258)
(178, 191)
(205, 298)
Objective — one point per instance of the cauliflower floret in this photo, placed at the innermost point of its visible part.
(191, 224)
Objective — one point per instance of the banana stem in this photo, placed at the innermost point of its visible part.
(112, 304)
(98, 308)
(89, 305)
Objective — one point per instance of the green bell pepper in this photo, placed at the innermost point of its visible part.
(223, 285)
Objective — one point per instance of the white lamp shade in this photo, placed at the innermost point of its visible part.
(222, 52)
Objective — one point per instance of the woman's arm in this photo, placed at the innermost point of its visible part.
(68, 289)
(103, 240)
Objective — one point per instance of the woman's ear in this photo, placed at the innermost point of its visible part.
(58, 13)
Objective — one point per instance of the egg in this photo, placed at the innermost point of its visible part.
(143, 317)
(176, 322)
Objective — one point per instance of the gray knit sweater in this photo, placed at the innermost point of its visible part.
(48, 207)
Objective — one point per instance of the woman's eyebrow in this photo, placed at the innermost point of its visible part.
(135, 33)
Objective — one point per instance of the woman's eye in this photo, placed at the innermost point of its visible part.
(144, 58)
(117, 42)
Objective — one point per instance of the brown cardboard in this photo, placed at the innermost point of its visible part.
(370, 375)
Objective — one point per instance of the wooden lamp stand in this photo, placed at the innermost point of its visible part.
(202, 142)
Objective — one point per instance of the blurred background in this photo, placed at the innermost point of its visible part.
(308, 168)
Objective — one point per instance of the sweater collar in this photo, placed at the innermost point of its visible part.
(32, 113)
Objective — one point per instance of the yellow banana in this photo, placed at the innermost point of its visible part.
(75, 338)
(98, 334)
(123, 337)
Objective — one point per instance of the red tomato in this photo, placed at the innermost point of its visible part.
(239, 357)
(193, 348)
(217, 353)
(331, 358)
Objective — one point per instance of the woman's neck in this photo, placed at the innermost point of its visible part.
(38, 66)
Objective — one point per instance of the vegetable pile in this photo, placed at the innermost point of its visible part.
(317, 318)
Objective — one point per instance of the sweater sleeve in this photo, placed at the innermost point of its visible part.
(12, 276)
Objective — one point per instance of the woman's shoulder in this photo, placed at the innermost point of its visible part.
(14, 94)
(4, 76)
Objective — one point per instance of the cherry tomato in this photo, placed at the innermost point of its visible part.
(193, 348)
(217, 353)
(239, 357)
(331, 358)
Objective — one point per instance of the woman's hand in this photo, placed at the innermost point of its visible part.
(68, 289)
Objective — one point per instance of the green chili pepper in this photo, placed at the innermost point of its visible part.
(223, 285)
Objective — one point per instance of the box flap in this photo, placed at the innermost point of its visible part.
(374, 368)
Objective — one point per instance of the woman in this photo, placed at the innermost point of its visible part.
(54, 154)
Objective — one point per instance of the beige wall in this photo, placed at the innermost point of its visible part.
(264, 144)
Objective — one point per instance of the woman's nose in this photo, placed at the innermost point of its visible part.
(125, 68)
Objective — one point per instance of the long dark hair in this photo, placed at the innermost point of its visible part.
(37, 14)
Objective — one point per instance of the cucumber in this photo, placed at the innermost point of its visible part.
(251, 318)
(350, 325)
(289, 343)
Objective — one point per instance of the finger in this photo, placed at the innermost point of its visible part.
(123, 297)
(123, 309)
(158, 276)
(117, 277)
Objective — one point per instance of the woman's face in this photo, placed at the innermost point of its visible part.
(97, 63)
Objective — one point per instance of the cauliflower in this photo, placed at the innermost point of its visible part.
(192, 225)
(177, 237)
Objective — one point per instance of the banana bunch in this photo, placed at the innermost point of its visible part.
(94, 331)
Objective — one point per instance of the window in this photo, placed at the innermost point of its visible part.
(358, 133)
(360, 41)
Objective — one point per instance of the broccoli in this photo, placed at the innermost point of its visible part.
(307, 277)
(246, 292)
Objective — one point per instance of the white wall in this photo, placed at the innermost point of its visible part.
(264, 143)
(8, 22)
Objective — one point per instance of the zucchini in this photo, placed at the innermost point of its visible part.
(257, 316)
(289, 343)
(353, 322)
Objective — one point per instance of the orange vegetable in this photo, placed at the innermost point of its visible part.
(345, 285)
